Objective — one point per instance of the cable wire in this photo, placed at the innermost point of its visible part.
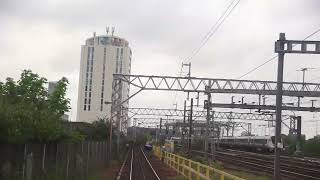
(274, 57)
(213, 29)
(210, 33)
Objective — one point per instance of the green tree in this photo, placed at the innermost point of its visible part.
(101, 129)
(29, 113)
(312, 147)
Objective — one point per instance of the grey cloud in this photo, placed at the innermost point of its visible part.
(161, 34)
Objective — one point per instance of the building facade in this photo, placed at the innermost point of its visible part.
(101, 57)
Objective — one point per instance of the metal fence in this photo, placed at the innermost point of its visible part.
(192, 170)
(64, 161)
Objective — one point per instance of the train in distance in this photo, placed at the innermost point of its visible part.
(251, 143)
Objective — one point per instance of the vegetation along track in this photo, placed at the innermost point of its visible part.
(291, 168)
(137, 167)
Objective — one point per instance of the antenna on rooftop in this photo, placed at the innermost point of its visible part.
(112, 31)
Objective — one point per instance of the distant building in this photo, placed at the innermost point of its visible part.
(101, 57)
(52, 86)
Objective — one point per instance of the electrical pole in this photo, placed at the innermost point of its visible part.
(312, 102)
(264, 100)
(214, 141)
(232, 132)
(206, 142)
(160, 131)
(283, 46)
(119, 128)
(189, 73)
(157, 133)
(259, 103)
(110, 140)
(110, 132)
(298, 145)
(278, 108)
(175, 105)
(190, 127)
(303, 70)
(135, 128)
(249, 129)
(184, 123)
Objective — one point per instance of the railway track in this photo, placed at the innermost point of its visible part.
(137, 167)
(291, 168)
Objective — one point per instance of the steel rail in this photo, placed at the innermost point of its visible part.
(141, 168)
(154, 172)
(286, 170)
(121, 169)
(131, 167)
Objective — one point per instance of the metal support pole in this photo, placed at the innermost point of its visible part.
(259, 103)
(232, 132)
(110, 140)
(298, 145)
(303, 76)
(292, 125)
(198, 99)
(157, 134)
(135, 128)
(160, 131)
(190, 127)
(215, 138)
(312, 102)
(167, 130)
(119, 128)
(184, 122)
(206, 142)
(278, 109)
(228, 129)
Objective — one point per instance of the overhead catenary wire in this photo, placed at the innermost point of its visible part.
(214, 28)
(210, 33)
(274, 57)
(215, 24)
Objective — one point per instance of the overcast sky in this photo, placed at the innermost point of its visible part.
(45, 36)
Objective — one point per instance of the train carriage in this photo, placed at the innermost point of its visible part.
(256, 143)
